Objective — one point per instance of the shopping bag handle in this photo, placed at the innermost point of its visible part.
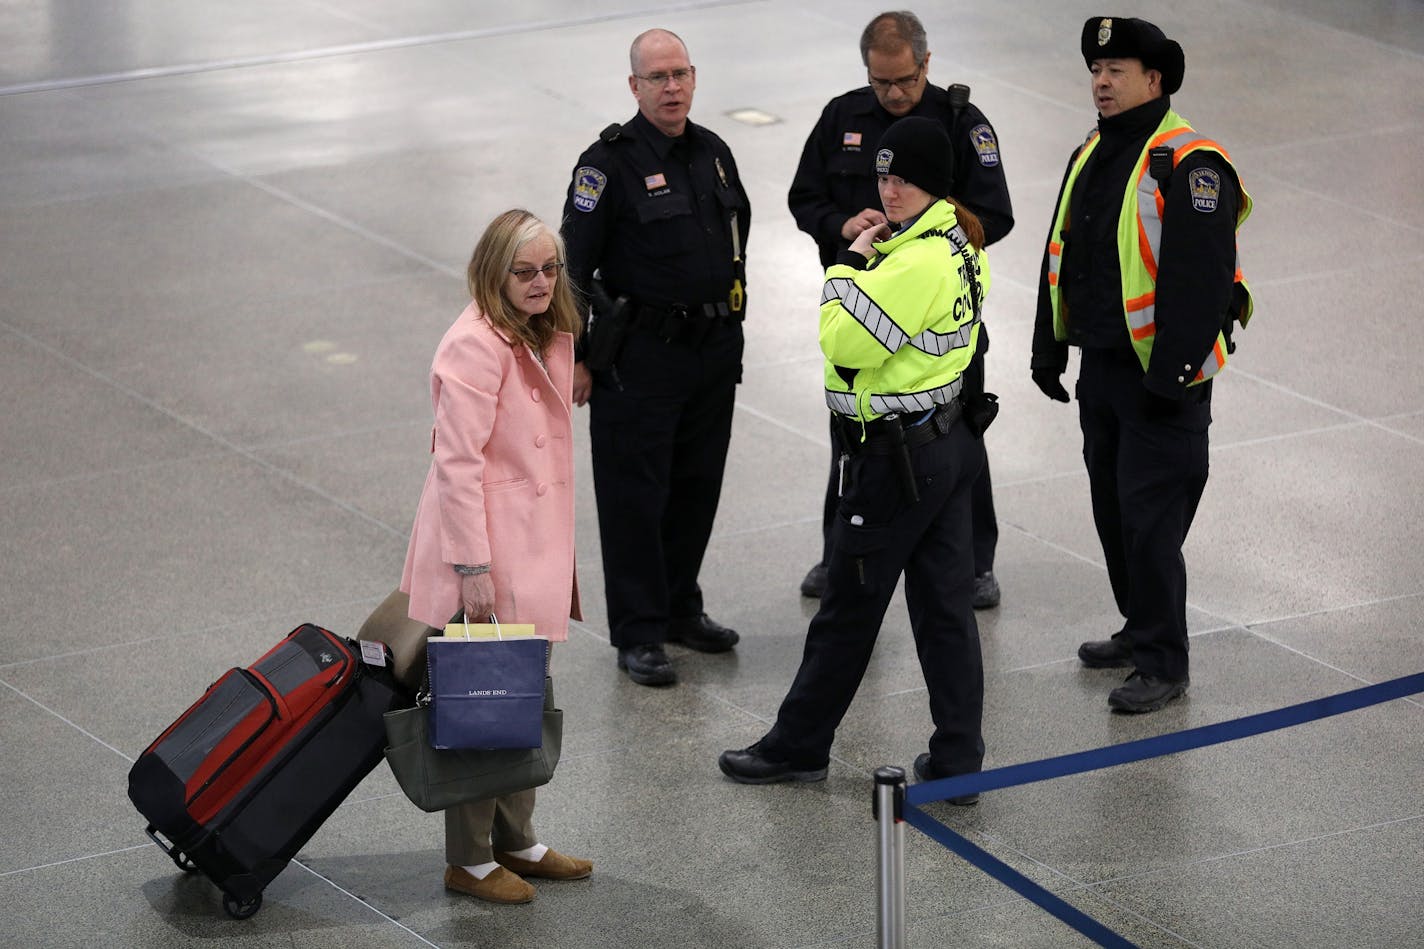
(493, 619)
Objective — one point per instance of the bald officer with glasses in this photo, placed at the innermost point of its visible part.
(656, 226)
(833, 198)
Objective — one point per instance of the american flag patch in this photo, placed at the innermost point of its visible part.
(655, 181)
(850, 138)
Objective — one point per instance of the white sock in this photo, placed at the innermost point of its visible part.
(533, 854)
(481, 871)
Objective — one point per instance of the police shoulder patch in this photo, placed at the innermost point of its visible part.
(1205, 186)
(589, 183)
(985, 145)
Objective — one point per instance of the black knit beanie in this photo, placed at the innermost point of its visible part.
(918, 150)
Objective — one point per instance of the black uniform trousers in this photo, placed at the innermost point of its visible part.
(985, 523)
(659, 426)
(1146, 476)
(879, 535)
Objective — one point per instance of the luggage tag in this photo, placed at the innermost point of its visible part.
(373, 653)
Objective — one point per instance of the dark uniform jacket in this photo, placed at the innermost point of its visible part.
(653, 214)
(836, 177)
(1195, 274)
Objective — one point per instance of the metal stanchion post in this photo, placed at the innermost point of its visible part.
(889, 809)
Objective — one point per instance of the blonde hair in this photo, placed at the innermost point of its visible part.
(488, 274)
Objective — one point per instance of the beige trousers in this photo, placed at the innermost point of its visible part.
(473, 831)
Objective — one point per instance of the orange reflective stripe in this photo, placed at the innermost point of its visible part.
(1141, 315)
(1161, 137)
(1195, 143)
(1218, 359)
(1055, 248)
(1053, 279)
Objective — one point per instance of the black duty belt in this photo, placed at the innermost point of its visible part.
(684, 322)
(887, 434)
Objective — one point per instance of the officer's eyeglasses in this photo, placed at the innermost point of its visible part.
(904, 83)
(526, 274)
(681, 76)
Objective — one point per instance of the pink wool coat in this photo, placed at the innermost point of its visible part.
(500, 488)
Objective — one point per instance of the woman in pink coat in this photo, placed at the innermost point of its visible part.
(494, 532)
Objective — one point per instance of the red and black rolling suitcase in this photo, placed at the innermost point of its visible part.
(243, 779)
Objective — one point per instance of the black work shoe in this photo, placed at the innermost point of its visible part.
(647, 664)
(755, 766)
(815, 583)
(1115, 653)
(1142, 693)
(702, 633)
(924, 771)
(986, 591)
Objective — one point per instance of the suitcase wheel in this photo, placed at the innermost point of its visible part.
(241, 909)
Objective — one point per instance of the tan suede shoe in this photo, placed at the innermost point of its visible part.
(553, 866)
(498, 886)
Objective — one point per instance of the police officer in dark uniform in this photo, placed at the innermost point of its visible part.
(656, 226)
(833, 198)
(900, 316)
(1144, 280)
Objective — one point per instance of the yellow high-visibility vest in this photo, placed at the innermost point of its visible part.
(1139, 240)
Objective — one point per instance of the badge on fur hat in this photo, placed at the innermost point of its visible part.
(1105, 31)
(1205, 186)
(882, 161)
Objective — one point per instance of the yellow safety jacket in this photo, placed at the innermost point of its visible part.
(904, 328)
(1139, 240)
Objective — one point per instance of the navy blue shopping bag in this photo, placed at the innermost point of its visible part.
(487, 693)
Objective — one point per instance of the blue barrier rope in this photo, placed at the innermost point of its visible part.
(1106, 757)
(1127, 752)
(1014, 880)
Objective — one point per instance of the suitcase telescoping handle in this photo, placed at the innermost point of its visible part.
(184, 862)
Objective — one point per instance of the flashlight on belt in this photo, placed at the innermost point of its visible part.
(737, 298)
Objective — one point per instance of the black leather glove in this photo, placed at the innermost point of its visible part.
(1156, 408)
(1048, 383)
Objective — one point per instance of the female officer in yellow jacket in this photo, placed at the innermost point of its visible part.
(899, 324)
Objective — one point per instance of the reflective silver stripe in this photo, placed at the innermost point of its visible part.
(886, 331)
(1143, 319)
(840, 402)
(882, 404)
(1150, 222)
(1210, 365)
(1147, 215)
(866, 312)
(937, 344)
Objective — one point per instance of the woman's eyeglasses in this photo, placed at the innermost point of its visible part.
(526, 274)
